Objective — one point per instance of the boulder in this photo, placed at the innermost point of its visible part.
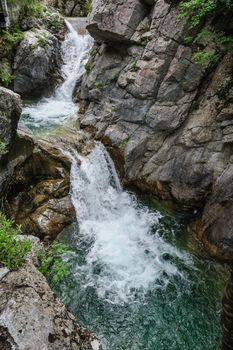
(10, 144)
(38, 195)
(31, 317)
(10, 110)
(36, 62)
(115, 21)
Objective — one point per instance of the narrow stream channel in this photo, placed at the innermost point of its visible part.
(137, 279)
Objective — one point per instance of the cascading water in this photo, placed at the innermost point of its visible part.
(60, 107)
(129, 281)
(135, 278)
(126, 256)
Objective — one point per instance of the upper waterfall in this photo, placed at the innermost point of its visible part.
(58, 108)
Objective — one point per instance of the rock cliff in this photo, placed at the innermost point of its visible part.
(167, 119)
(31, 317)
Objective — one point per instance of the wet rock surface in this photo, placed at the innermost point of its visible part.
(38, 195)
(164, 115)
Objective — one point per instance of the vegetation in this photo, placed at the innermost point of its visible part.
(12, 250)
(52, 264)
(146, 28)
(202, 57)
(5, 76)
(85, 7)
(53, 20)
(198, 10)
(3, 148)
(9, 39)
(88, 66)
(99, 85)
(34, 8)
(124, 143)
(224, 89)
(30, 7)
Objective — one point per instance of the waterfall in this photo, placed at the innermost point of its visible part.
(126, 256)
(60, 107)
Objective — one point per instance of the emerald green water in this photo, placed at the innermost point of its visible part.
(183, 315)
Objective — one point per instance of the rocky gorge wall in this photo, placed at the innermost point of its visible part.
(34, 190)
(167, 121)
(163, 115)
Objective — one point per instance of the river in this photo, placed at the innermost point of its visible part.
(138, 278)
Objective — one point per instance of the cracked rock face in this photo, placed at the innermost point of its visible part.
(36, 62)
(38, 194)
(146, 99)
(32, 318)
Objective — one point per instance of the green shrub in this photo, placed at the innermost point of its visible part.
(124, 143)
(203, 57)
(99, 85)
(3, 148)
(93, 53)
(51, 263)
(187, 40)
(12, 251)
(85, 7)
(5, 76)
(9, 39)
(88, 66)
(224, 89)
(54, 20)
(34, 8)
(146, 28)
(200, 8)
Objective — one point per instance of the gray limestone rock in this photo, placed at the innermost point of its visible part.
(180, 137)
(36, 62)
(115, 21)
(10, 110)
(31, 317)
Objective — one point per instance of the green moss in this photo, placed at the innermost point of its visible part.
(12, 251)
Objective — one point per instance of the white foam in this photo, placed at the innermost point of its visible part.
(126, 257)
(59, 108)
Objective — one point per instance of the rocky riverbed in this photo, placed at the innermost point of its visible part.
(166, 121)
